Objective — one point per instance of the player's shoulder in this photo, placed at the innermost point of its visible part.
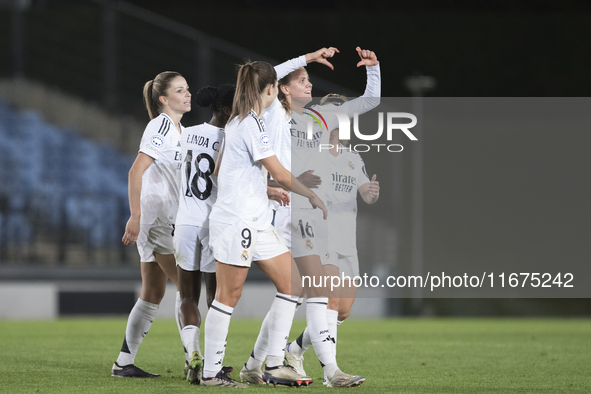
(161, 124)
(254, 122)
(203, 129)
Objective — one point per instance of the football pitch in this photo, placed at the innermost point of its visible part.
(396, 356)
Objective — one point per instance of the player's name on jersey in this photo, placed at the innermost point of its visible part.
(200, 140)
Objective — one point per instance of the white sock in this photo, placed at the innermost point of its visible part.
(320, 334)
(300, 302)
(177, 317)
(279, 323)
(301, 344)
(259, 353)
(190, 336)
(138, 324)
(217, 323)
(331, 319)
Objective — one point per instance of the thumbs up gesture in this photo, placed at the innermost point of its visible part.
(374, 187)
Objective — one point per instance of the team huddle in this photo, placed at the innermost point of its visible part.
(209, 200)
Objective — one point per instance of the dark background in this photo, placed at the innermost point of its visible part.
(472, 48)
(490, 194)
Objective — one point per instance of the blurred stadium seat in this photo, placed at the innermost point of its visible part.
(55, 183)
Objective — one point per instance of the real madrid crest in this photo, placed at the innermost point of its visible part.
(309, 245)
(351, 165)
(244, 256)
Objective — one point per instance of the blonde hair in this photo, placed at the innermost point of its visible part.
(280, 95)
(253, 78)
(333, 98)
(155, 88)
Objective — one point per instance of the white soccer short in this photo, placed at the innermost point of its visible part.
(282, 224)
(154, 238)
(348, 265)
(238, 244)
(309, 233)
(191, 249)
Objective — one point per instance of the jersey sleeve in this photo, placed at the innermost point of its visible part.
(258, 141)
(154, 139)
(369, 100)
(291, 65)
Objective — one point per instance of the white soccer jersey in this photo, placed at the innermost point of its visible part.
(277, 123)
(277, 120)
(160, 182)
(305, 154)
(242, 180)
(348, 174)
(200, 146)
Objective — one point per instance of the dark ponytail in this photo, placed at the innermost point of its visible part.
(216, 98)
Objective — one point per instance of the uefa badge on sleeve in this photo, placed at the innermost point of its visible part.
(157, 141)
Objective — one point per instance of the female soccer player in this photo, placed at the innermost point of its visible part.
(240, 225)
(348, 176)
(295, 93)
(153, 202)
(200, 146)
(310, 235)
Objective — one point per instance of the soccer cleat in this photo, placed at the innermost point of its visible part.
(130, 371)
(226, 370)
(285, 375)
(296, 362)
(195, 368)
(252, 376)
(222, 379)
(341, 379)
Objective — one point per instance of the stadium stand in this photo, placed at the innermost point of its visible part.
(77, 185)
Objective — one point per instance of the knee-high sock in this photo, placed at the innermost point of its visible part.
(300, 302)
(259, 353)
(217, 323)
(190, 336)
(138, 324)
(301, 344)
(281, 305)
(320, 335)
(331, 319)
(280, 318)
(177, 317)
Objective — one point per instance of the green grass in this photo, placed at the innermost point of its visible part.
(401, 356)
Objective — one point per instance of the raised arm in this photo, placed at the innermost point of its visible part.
(319, 56)
(373, 90)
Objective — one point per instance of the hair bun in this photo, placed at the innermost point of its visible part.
(206, 96)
